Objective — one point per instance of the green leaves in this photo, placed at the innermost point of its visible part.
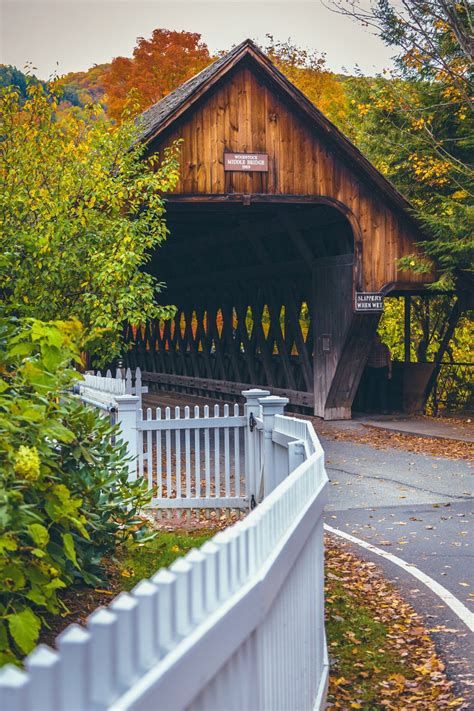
(69, 548)
(58, 431)
(64, 497)
(24, 627)
(38, 534)
(81, 209)
(59, 503)
(7, 543)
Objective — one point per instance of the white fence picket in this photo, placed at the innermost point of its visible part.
(197, 457)
(187, 443)
(207, 454)
(217, 460)
(149, 451)
(168, 452)
(177, 446)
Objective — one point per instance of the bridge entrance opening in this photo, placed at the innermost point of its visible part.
(259, 288)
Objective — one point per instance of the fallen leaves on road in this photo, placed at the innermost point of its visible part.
(381, 655)
(383, 439)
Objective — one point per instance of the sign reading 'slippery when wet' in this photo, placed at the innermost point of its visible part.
(368, 302)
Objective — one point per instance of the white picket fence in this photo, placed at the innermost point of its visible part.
(238, 624)
(198, 459)
(101, 390)
(193, 462)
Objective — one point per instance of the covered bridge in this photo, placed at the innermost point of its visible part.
(277, 222)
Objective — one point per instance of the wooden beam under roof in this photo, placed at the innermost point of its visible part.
(259, 228)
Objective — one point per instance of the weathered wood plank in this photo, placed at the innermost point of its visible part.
(209, 385)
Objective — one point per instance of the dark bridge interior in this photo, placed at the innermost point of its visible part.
(244, 279)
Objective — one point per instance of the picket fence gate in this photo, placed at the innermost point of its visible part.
(237, 624)
(193, 462)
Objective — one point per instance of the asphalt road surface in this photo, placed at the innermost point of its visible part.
(420, 509)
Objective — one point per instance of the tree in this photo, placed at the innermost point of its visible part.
(158, 66)
(80, 212)
(423, 144)
(417, 127)
(11, 76)
(434, 38)
(88, 86)
(307, 70)
(77, 90)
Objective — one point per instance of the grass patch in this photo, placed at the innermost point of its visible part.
(137, 562)
(358, 644)
(380, 654)
(131, 564)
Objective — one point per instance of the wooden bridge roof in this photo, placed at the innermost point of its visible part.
(159, 117)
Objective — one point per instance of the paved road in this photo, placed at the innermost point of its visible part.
(439, 428)
(419, 508)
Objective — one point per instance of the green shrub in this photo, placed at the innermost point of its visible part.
(65, 501)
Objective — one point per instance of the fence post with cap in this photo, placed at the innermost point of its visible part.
(271, 406)
(251, 411)
(128, 407)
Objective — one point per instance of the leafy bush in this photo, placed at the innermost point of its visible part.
(64, 497)
(81, 211)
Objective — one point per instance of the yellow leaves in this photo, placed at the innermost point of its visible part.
(363, 109)
(418, 124)
(27, 462)
(427, 169)
(399, 681)
(432, 665)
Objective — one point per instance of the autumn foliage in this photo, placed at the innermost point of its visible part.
(89, 86)
(158, 66)
(166, 60)
(307, 70)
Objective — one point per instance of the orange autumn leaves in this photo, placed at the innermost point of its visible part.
(168, 58)
(158, 65)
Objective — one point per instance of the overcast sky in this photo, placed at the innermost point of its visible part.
(72, 35)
